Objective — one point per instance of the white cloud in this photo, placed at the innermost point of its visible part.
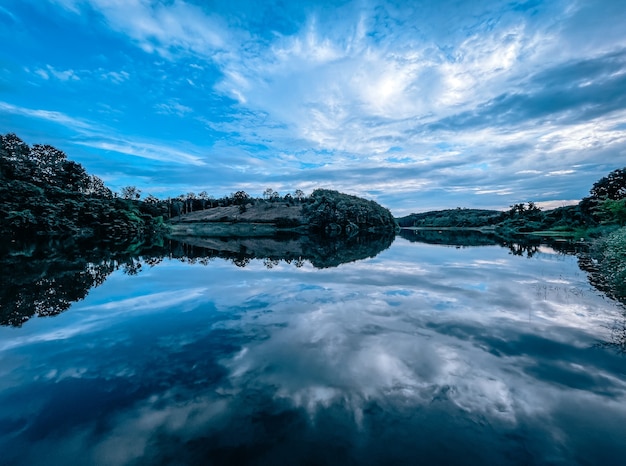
(103, 138)
(561, 172)
(48, 115)
(117, 77)
(173, 107)
(549, 205)
(166, 28)
(158, 152)
(61, 75)
(64, 75)
(42, 73)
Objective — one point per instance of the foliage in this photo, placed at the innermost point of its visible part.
(240, 198)
(131, 192)
(612, 186)
(452, 218)
(606, 264)
(44, 193)
(609, 188)
(333, 212)
(44, 277)
(613, 261)
(612, 211)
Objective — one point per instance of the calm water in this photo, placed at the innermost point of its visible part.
(424, 354)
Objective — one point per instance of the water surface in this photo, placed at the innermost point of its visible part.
(424, 354)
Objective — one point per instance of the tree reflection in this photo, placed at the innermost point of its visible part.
(45, 278)
(321, 252)
(519, 245)
(618, 336)
(523, 249)
(452, 237)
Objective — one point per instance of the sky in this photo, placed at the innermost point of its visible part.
(418, 105)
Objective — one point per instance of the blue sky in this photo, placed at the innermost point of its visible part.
(418, 105)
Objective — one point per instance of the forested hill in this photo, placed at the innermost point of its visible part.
(456, 218)
(332, 211)
(44, 193)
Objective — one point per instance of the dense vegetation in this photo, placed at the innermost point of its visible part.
(44, 193)
(453, 218)
(44, 276)
(599, 217)
(521, 218)
(601, 212)
(334, 212)
(609, 263)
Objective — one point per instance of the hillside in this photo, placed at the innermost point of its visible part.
(453, 218)
(325, 211)
(264, 212)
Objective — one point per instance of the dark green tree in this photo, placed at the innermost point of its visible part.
(612, 186)
(130, 193)
(240, 198)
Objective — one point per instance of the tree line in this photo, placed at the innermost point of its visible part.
(45, 193)
(192, 202)
(604, 209)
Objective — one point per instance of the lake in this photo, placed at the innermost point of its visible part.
(422, 354)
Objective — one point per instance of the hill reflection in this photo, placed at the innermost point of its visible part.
(45, 278)
(518, 246)
(321, 252)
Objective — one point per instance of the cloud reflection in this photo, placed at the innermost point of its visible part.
(420, 344)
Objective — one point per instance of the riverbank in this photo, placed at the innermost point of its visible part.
(609, 256)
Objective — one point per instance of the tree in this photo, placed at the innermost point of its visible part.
(532, 207)
(73, 177)
(517, 209)
(269, 194)
(612, 211)
(131, 193)
(15, 148)
(47, 155)
(47, 160)
(299, 194)
(240, 198)
(612, 186)
(190, 198)
(96, 187)
(203, 196)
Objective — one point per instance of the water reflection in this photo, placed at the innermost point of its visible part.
(421, 354)
(321, 252)
(519, 246)
(45, 278)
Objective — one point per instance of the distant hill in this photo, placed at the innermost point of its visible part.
(453, 218)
